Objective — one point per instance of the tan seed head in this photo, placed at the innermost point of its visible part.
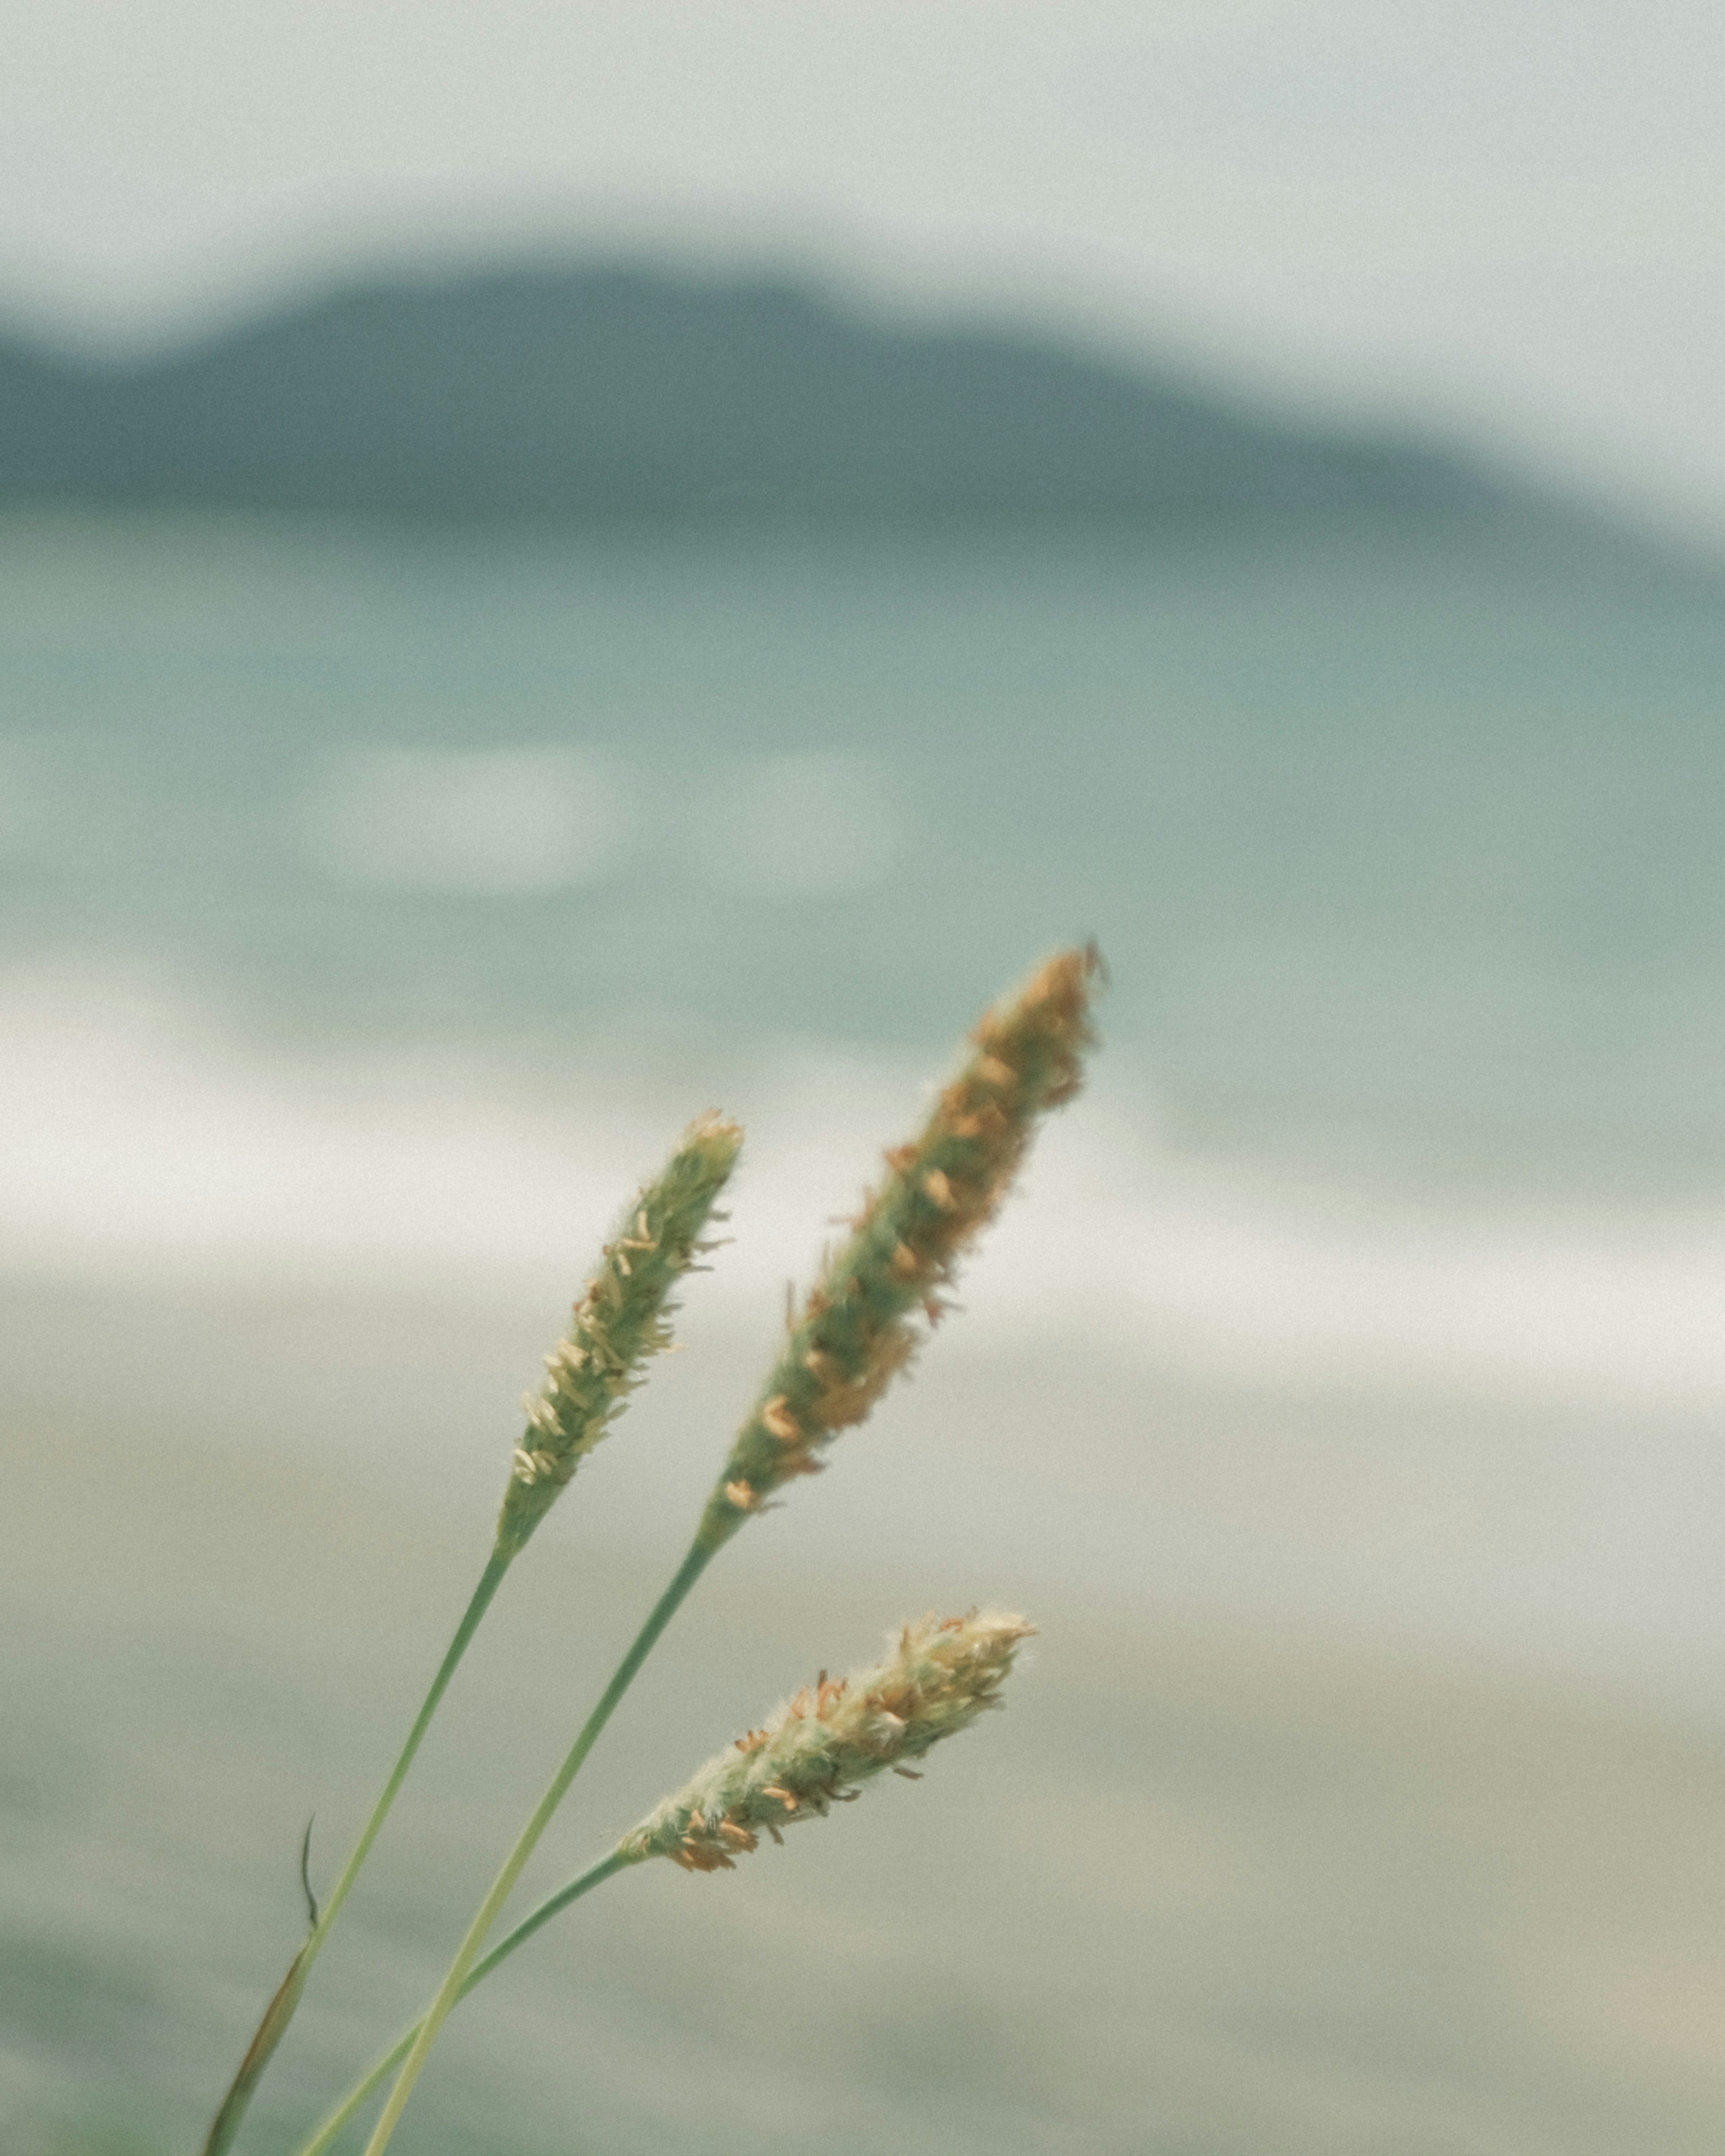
(836, 1734)
(621, 1318)
(857, 1327)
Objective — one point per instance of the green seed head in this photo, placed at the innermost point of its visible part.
(835, 1735)
(621, 1319)
(858, 1326)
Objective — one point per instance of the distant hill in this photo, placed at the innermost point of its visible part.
(603, 393)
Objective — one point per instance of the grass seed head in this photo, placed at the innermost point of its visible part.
(858, 1327)
(836, 1734)
(621, 1318)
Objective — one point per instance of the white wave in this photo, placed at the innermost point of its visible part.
(800, 826)
(473, 820)
(138, 1144)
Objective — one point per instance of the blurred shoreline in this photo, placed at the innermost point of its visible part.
(1253, 1885)
(1343, 1390)
(1480, 1430)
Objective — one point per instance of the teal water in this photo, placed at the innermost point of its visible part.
(1391, 840)
(376, 904)
(1343, 1391)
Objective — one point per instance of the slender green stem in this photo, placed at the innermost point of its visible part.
(279, 2012)
(693, 1565)
(607, 1869)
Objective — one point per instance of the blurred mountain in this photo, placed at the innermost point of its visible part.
(599, 394)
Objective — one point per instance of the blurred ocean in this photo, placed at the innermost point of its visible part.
(377, 908)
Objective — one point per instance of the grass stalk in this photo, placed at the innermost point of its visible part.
(817, 1750)
(467, 1954)
(553, 1905)
(855, 1334)
(280, 2010)
(621, 1320)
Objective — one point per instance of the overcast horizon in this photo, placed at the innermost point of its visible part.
(1501, 229)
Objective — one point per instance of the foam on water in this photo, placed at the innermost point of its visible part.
(1478, 1427)
(140, 1144)
(476, 820)
(377, 907)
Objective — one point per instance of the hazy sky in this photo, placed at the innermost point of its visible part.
(1509, 215)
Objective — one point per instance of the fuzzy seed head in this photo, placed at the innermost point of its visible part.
(858, 1326)
(836, 1734)
(621, 1318)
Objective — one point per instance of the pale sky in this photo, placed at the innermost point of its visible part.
(1505, 218)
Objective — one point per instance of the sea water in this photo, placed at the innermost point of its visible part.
(379, 904)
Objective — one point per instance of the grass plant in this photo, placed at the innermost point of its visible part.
(859, 1326)
(621, 1319)
(817, 1751)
